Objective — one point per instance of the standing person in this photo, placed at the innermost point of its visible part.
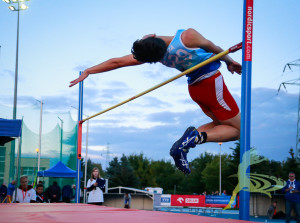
(54, 192)
(67, 193)
(127, 200)
(224, 193)
(95, 187)
(25, 193)
(40, 195)
(292, 197)
(206, 85)
(10, 189)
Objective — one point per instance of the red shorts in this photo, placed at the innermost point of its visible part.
(212, 95)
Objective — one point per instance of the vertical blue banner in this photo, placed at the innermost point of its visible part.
(244, 176)
(80, 107)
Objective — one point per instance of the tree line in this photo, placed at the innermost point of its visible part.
(138, 171)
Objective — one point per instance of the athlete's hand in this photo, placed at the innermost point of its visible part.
(234, 66)
(79, 79)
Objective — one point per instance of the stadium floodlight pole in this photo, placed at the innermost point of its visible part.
(244, 178)
(216, 57)
(18, 8)
(40, 136)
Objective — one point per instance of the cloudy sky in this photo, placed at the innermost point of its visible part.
(60, 38)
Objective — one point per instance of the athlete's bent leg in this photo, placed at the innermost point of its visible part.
(221, 131)
(215, 100)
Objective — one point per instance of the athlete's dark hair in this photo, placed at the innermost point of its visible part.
(149, 50)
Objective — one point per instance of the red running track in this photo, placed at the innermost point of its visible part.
(85, 213)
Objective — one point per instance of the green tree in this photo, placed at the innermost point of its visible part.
(129, 179)
(113, 173)
(291, 164)
(211, 174)
(121, 173)
(142, 169)
(275, 168)
(235, 158)
(195, 182)
(166, 176)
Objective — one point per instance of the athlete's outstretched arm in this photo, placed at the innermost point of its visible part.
(108, 65)
(193, 39)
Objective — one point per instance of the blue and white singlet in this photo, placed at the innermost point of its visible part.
(182, 58)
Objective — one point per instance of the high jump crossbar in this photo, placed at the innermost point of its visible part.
(216, 57)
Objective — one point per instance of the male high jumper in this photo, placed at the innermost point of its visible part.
(206, 85)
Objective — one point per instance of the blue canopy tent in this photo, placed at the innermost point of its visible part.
(59, 170)
(9, 130)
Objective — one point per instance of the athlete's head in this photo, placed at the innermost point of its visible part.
(149, 50)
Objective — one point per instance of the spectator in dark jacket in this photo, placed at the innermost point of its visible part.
(3, 192)
(54, 192)
(40, 195)
(292, 197)
(67, 193)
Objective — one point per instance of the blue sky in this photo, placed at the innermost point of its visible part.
(60, 38)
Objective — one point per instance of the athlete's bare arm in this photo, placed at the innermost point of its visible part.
(193, 39)
(108, 65)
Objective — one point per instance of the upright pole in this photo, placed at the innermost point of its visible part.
(244, 177)
(13, 145)
(107, 156)
(85, 166)
(36, 160)
(17, 65)
(220, 171)
(297, 152)
(40, 137)
(77, 197)
(61, 138)
(18, 164)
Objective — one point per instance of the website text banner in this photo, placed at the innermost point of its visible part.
(218, 201)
